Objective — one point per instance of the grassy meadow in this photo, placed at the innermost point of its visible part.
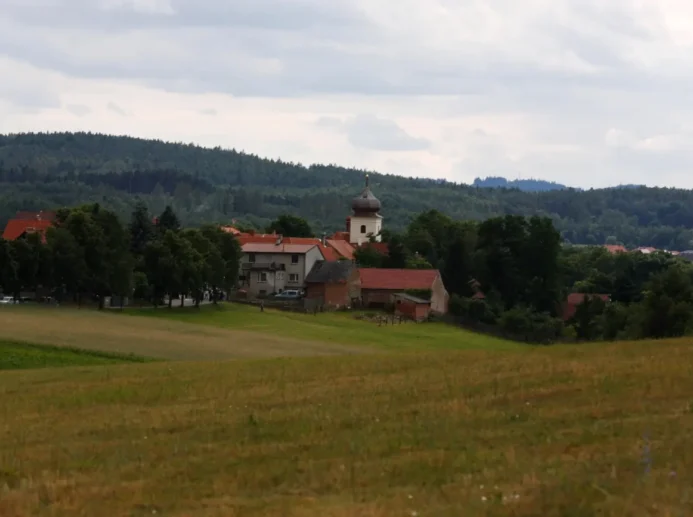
(410, 420)
(229, 331)
(335, 327)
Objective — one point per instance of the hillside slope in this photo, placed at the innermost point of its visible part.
(206, 185)
(556, 431)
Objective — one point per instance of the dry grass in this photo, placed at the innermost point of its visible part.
(540, 432)
(153, 337)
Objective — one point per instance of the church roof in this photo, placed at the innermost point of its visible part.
(366, 201)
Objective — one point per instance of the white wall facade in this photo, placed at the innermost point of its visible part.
(362, 227)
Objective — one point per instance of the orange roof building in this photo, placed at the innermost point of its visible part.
(28, 222)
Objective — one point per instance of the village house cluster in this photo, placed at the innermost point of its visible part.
(325, 268)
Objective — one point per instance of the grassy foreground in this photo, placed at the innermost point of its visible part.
(563, 431)
(16, 356)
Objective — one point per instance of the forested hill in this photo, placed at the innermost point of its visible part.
(43, 171)
(528, 185)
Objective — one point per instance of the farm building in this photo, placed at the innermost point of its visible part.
(378, 286)
(332, 284)
(412, 307)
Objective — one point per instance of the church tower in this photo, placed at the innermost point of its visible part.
(365, 222)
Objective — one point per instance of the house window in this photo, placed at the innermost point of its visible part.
(280, 275)
(294, 259)
(251, 258)
(262, 278)
(363, 228)
(293, 278)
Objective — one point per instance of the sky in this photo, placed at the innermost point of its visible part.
(588, 93)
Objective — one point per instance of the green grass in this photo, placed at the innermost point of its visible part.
(335, 327)
(16, 355)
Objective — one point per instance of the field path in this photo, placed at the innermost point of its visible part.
(152, 337)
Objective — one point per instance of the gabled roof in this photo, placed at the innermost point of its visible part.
(330, 272)
(397, 279)
(345, 249)
(262, 247)
(328, 252)
(17, 227)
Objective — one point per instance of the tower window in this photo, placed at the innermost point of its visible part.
(363, 228)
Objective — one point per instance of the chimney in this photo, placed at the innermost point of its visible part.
(280, 238)
(324, 239)
(348, 224)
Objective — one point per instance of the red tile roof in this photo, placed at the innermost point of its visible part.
(614, 248)
(17, 227)
(265, 247)
(330, 254)
(397, 279)
(341, 236)
(345, 249)
(230, 229)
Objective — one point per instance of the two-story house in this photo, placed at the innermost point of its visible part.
(268, 268)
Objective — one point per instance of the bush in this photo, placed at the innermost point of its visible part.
(531, 327)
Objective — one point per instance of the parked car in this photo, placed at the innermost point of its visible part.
(4, 300)
(289, 294)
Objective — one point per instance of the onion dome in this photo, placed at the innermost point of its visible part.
(366, 202)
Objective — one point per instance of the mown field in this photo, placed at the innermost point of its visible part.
(450, 430)
(600, 430)
(228, 332)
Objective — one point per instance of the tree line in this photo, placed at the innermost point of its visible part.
(203, 185)
(90, 254)
(514, 274)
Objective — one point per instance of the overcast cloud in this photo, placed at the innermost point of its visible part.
(584, 92)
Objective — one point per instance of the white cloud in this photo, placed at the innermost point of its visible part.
(579, 91)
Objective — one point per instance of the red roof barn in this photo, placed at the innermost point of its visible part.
(379, 285)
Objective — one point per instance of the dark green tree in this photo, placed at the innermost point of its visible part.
(369, 257)
(290, 226)
(397, 254)
(141, 229)
(168, 221)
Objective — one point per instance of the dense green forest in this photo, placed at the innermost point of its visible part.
(528, 185)
(45, 171)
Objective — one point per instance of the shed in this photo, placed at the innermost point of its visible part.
(412, 307)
